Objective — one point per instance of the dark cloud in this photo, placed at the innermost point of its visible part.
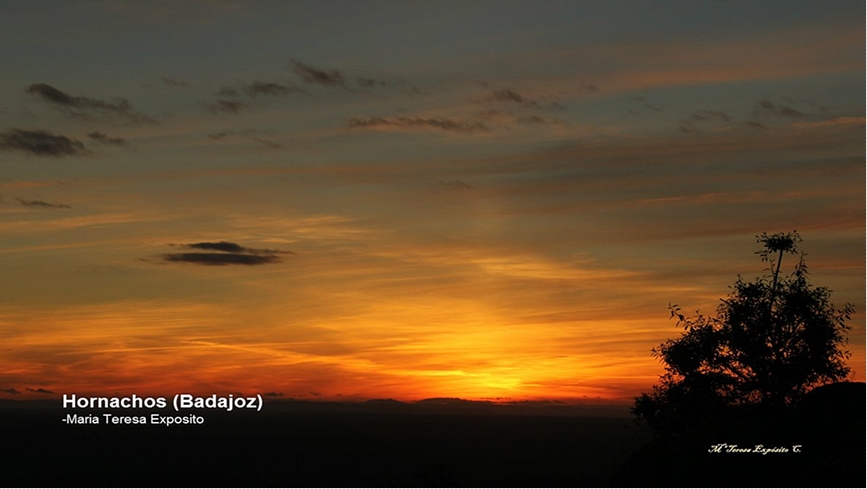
(120, 106)
(225, 253)
(273, 394)
(56, 96)
(40, 143)
(41, 203)
(317, 76)
(104, 139)
(216, 246)
(589, 87)
(14, 392)
(218, 135)
(229, 247)
(219, 259)
(226, 106)
(39, 391)
(769, 108)
(173, 82)
(415, 123)
(268, 88)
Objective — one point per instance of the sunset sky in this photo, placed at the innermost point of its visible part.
(409, 199)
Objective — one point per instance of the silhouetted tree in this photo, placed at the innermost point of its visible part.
(770, 341)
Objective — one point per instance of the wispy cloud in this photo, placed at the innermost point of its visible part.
(533, 119)
(335, 78)
(710, 115)
(228, 92)
(222, 253)
(235, 136)
(10, 390)
(227, 102)
(766, 107)
(270, 88)
(510, 96)
(40, 143)
(226, 106)
(41, 203)
(257, 87)
(414, 123)
(646, 104)
(755, 125)
(505, 95)
(691, 123)
(837, 121)
(31, 184)
(102, 138)
(74, 105)
(226, 134)
(30, 226)
(174, 82)
(499, 118)
(318, 76)
(451, 187)
(370, 82)
(268, 143)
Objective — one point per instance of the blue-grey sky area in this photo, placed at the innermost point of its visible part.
(410, 199)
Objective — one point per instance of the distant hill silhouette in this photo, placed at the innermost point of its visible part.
(445, 401)
(835, 403)
(383, 402)
(453, 405)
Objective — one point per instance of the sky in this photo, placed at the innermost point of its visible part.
(491, 200)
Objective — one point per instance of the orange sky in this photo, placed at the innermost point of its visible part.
(461, 205)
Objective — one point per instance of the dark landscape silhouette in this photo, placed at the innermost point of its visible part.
(434, 443)
(756, 388)
(439, 442)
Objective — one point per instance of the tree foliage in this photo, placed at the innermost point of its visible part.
(770, 341)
